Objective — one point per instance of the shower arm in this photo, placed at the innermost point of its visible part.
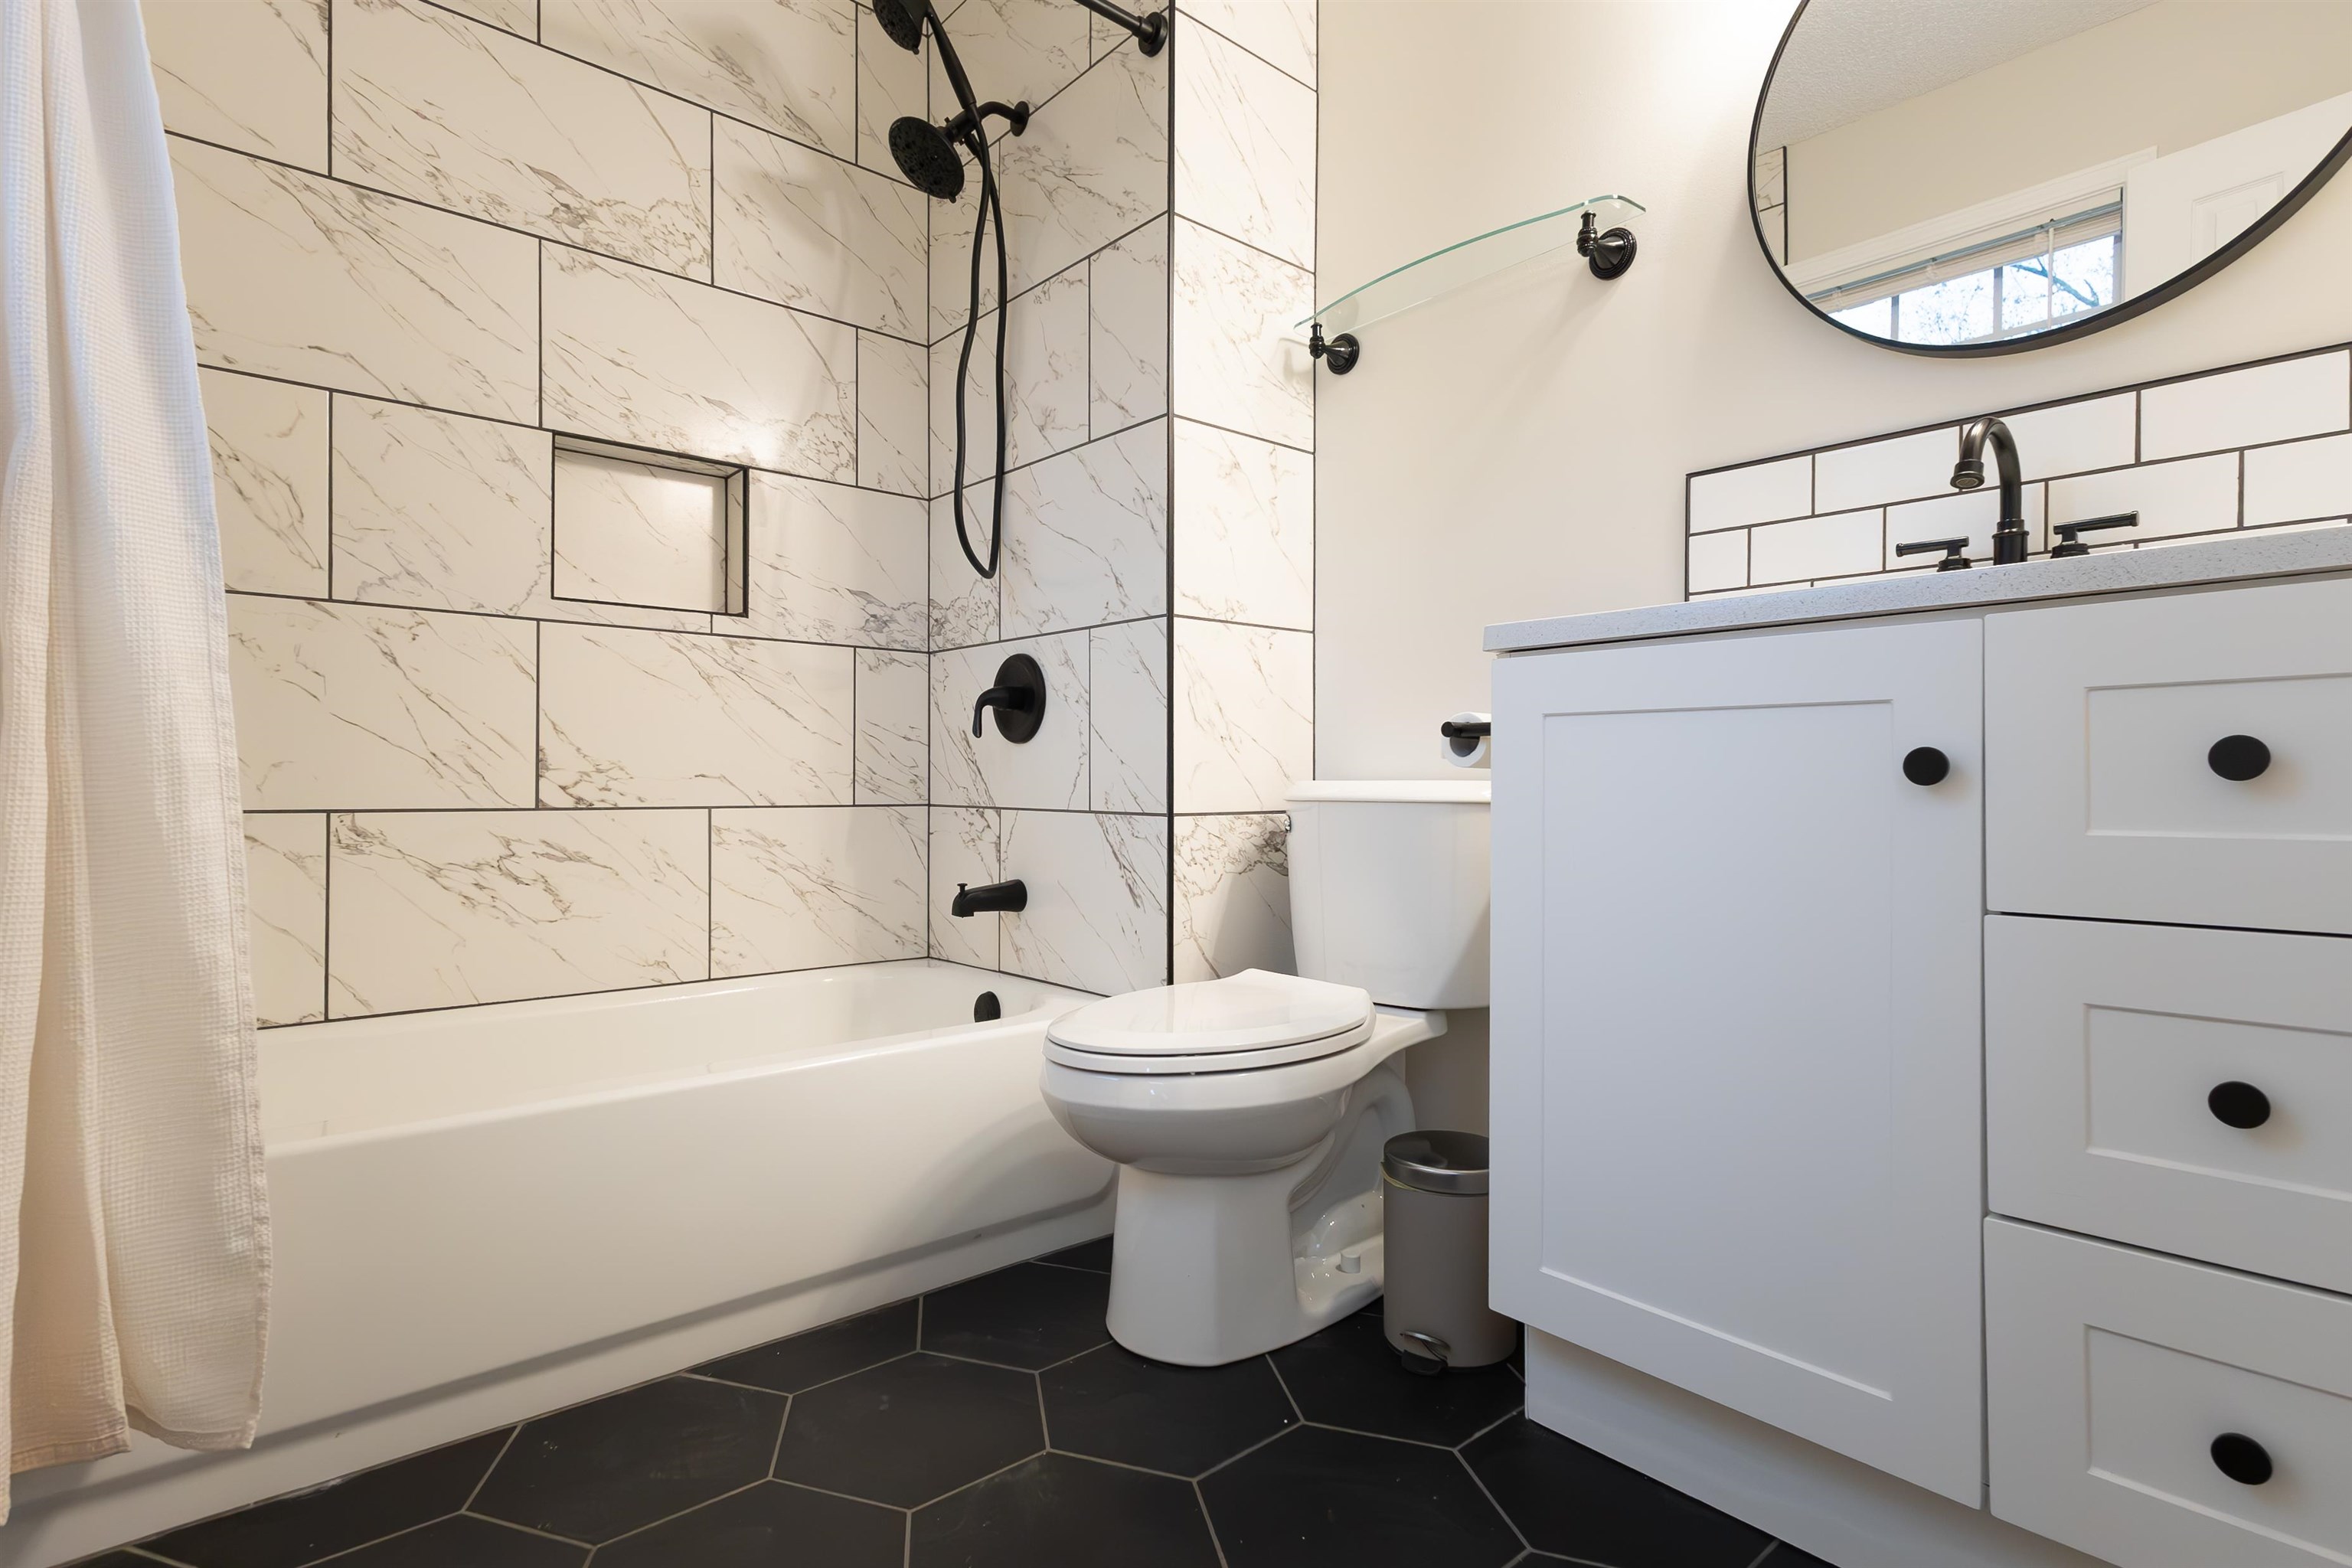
(1151, 30)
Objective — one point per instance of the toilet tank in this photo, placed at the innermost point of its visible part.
(1388, 889)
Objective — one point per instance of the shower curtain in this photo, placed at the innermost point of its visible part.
(134, 1252)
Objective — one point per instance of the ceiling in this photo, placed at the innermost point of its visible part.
(1853, 57)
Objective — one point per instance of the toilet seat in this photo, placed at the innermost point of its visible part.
(1253, 1019)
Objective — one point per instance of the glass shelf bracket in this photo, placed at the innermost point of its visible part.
(1596, 226)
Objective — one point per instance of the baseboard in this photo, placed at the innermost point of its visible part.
(1843, 1513)
(74, 1511)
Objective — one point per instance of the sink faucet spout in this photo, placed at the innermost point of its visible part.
(2009, 539)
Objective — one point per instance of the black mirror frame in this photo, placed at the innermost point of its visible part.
(2113, 315)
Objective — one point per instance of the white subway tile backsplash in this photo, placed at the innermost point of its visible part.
(1047, 772)
(1098, 914)
(1238, 355)
(2299, 480)
(269, 443)
(1975, 513)
(787, 65)
(2194, 495)
(1244, 148)
(1128, 699)
(810, 231)
(353, 707)
(1718, 561)
(803, 887)
(1905, 468)
(444, 908)
(1244, 542)
(434, 107)
(1245, 726)
(286, 914)
(293, 276)
(250, 75)
(1835, 546)
(2076, 437)
(2279, 402)
(963, 851)
(1760, 492)
(1085, 534)
(1233, 896)
(644, 718)
(832, 563)
(894, 727)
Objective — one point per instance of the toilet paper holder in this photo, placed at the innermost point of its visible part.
(1466, 730)
(1467, 741)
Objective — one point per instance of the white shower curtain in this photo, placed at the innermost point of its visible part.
(134, 1251)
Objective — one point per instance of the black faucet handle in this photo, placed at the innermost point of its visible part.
(1011, 699)
(2070, 545)
(1955, 551)
(1018, 695)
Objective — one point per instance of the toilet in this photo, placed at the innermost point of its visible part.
(1247, 1113)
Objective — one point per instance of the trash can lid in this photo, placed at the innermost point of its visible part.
(1437, 1162)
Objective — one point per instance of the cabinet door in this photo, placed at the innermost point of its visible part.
(1736, 1092)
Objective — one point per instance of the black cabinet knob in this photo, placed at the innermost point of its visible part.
(2239, 1105)
(2241, 1458)
(1925, 765)
(2239, 758)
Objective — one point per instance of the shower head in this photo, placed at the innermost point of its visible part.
(926, 156)
(903, 20)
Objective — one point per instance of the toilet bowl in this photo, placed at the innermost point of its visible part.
(1247, 1113)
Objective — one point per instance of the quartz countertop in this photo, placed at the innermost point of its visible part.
(2282, 553)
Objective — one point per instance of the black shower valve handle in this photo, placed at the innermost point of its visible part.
(1011, 699)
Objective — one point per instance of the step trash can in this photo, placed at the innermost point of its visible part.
(1433, 1188)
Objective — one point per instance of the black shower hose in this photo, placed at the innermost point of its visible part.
(988, 202)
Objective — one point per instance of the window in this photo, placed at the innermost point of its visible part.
(2023, 283)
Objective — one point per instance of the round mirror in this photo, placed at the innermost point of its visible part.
(1980, 176)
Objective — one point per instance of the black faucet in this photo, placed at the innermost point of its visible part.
(2009, 539)
(1011, 898)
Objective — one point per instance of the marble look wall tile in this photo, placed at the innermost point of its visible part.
(1048, 770)
(655, 361)
(803, 887)
(270, 482)
(447, 909)
(248, 74)
(1014, 49)
(1128, 323)
(446, 512)
(787, 65)
(294, 276)
(1045, 375)
(1127, 703)
(641, 718)
(894, 727)
(831, 563)
(808, 230)
(966, 609)
(1244, 541)
(518, 16)
(1233, 359)
(1245, 147)
(890, 83)
(1280, 32)
(1098, 914)
(355, 707)
(1233, 896)
(629, 532)
(1245, 726)
(286, 915)
(1092, 166)
(1085, 534)
(468, 118)
(893, 415)
(964, 851)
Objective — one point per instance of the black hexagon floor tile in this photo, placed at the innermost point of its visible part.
(1317, 1498)
(1568, 1499)
(1030, 1315)
(603, 1468)
(766, 1525)
(1348, 1375)
(463, 1541)
(1112, 1404)
(820, 1355)
(337, 1517)
(1089, 1255)
(912, 1429)
(1069, 1514)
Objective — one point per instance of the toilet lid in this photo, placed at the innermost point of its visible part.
(1252, 1018)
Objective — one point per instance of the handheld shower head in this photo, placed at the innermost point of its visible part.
(926, 156)
(903, 20)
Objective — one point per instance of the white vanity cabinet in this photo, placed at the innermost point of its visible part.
(1736, 1125)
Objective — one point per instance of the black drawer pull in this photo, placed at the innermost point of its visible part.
(1925, 765)
(2241, 1458)
(2239, 1105)
(2239, 758)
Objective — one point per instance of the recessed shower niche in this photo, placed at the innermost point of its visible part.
(647, 529)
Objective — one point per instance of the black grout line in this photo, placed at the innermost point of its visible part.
(512, 1432)
(1191, 20)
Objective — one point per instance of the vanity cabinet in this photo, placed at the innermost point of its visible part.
(1736, 1120)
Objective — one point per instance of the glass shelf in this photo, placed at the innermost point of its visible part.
(1466, 262)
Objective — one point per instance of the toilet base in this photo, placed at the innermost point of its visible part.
(1208, 1269)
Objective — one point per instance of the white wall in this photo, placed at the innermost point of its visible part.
(1518, 449)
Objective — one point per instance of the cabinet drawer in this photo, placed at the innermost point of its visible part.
(2111, 1373)
(2102, 792)
(2104, 1045)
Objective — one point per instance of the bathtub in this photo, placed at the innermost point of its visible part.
(484, 1213)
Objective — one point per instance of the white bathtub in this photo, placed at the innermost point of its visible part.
(487, 1212)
